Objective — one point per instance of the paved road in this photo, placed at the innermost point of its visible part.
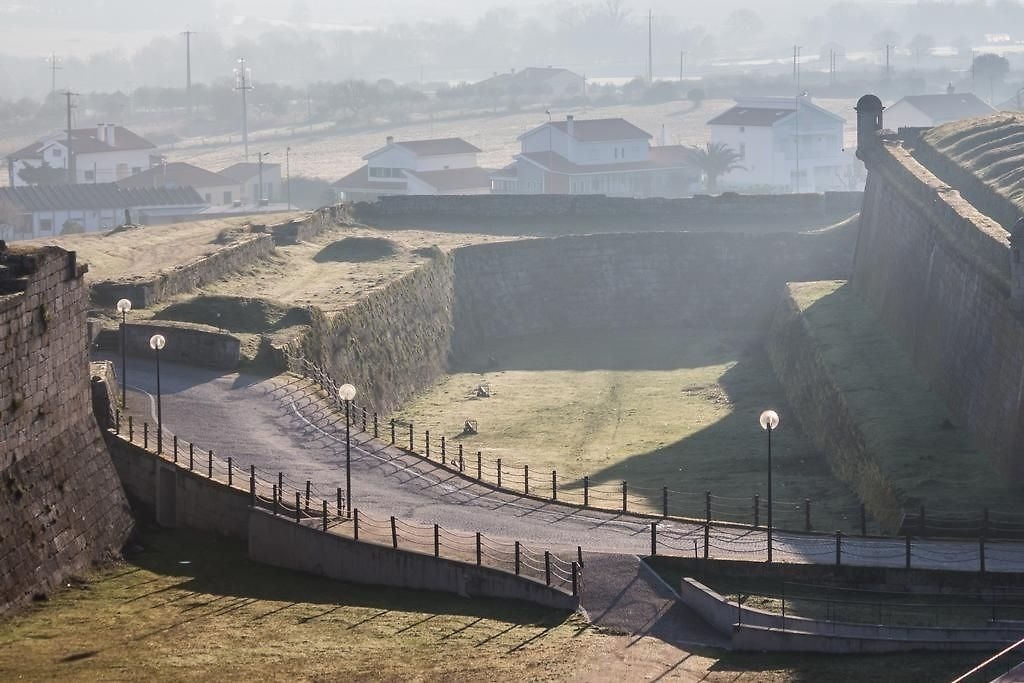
(276, 424)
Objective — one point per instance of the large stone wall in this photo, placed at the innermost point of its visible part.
(936, 272)
(591, 206)
(61, 504)
(189, 343)
(648, 279)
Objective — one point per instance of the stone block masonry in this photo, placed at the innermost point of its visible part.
(62, 507)
(936, 272)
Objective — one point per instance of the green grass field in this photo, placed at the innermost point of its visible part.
(655, 408)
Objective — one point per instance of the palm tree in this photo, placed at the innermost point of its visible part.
(714, 160)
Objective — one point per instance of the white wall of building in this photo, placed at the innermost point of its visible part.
(905, 115)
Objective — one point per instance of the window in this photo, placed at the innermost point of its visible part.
(227, 197)
(90, 176)
(743, 150)
(56, 152)
(46, 225)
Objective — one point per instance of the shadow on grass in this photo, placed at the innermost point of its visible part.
(218, 566)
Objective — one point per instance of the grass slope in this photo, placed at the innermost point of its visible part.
(926, 458)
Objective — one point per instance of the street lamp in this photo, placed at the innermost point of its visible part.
(157, 342)
(123, 306)
(347, 392)
(769, 421)
(259, 195)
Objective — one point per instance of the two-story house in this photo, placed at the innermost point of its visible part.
(595, 156)
(247, 175)
(785, 144)
(418, 167)
(215, 189)
(104, 154)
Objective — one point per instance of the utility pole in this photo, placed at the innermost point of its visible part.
(71, 158)
(188, 68)
(682, 64)
(796, 75)
(650, 47)
(243, 83)
(888, 63)
(259, 196)
(54, 68)
(288, 174)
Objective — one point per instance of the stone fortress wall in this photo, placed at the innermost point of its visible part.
(62, 507)
(937, 273)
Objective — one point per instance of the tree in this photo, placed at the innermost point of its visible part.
(43, 174)
(714, 160)
(696, 96)
(990, 68)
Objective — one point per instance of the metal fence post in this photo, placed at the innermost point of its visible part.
(308, 487)
(117, 422)
(230, 471)
(478, 549)
(437, 541)
(280, 485)
(554, 485)
(131, 430)
(462, 463)
(586, 491)
(547, 567)
(338, 492)
(575, 580)
(526, 480)
(355, 524)
(654, 538)
(807, 515)
(325, 515)
(479, 464)
(757, 510)
(908, 551)
(209, 464)
(426, 440)
(376, 427)
(707, 539)
(412, 438)
(444, 450)
(392, 431)
(298, 507)
(174, 445)
(394, 533)
(579, 554)
(191, 457)
(364, 419)
(499, 473)
(517, 558)
(275, 500)
(145, 435)
(623, 496)
(839, 548)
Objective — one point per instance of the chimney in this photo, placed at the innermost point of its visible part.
(950, 89)
(570, 120)
(390, 140)
(101, 132)
(111, 136)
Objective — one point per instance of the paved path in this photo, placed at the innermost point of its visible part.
(278, 424)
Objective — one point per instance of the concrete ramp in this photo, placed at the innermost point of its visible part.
(622, 593)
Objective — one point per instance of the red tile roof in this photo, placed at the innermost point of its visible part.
(176, 174)
(455, 178)
(84, 141)
(601, 130)
(360, 180)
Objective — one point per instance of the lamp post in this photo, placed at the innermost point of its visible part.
(769, 421)
(347, 392)
(157, 342)
(123, 306)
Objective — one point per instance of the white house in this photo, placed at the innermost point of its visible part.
(443, 166)
(48, 210)
(785, 144)
(925, 111)
(215, 189)
(104, 154)
(595, 156)
(246, 177)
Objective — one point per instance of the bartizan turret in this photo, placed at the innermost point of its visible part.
(869, 123)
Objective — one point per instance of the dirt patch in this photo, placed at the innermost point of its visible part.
(237, 314)
(358, 250)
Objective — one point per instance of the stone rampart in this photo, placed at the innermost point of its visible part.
(189, 343)
(590, 206)
(305, 229)
(62, 507)
(148, 291)
(643, 280)
(936, 273)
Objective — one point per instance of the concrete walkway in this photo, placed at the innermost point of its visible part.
(621, 593)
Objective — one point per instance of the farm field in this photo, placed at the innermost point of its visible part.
(668, 407)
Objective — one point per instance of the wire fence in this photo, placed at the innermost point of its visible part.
(692, 505)
(313, 504)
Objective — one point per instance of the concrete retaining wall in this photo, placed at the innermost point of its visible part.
(62, 508)
(280, 542)
(759, 630)
(936, 273)
(555, 206)
(187, 343)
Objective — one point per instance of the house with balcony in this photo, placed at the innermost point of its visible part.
(419, 167)
(785, 144)
(596, 156)
(106, 153)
